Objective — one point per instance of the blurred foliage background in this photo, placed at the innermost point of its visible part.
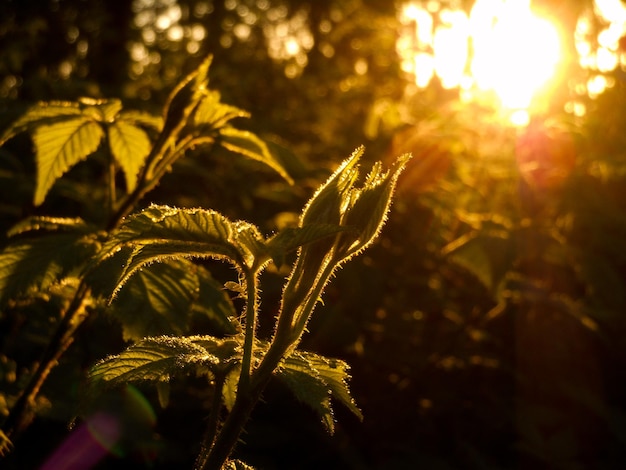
(484, 329)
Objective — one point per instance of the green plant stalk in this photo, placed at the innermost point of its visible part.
(251, 279)
(60, 342)
(284, 341)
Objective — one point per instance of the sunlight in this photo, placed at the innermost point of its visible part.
(507, 59)
(488, 51)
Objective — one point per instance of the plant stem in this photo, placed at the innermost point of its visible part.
(243, 406)
(248, 344)
(62, 339)
(284, 340)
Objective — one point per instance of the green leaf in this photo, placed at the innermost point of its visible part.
(292, 238)
(158, 300)
(162, 232)
(310, 389)
(39, 262)
(49, 224)
(130, 146)
(141, 118)
(184, 98)
(335, 373)
(214, 114)
(39, 114)
(100, 110)
(249, 145)
(60, 146)
(314, 378)
(368, 207)
(158, 359)
(229, 390)
(152, 359)
(237, 465)
(362, 211)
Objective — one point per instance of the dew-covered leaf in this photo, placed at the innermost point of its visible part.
(60, 146)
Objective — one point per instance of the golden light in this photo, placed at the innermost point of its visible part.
(502, 48)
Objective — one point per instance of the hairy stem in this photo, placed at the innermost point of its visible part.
(242, 408)
(248, 345)
(63, 337)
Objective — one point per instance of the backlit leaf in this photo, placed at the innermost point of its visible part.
(162, 232)
(211, 112)
(309, 388)
(369, 205)
(249, 145)
(158, 359)
(101, 110)
(60, 146)
(229, 390)
(314, 378)
(130, 146)
(154, 359)
(291, 238)
(50, 224)
(335, 373)
(141, 118)
(39, 114)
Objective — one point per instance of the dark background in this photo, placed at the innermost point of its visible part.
(507, 352)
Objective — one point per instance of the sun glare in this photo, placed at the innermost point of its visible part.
(501, 47)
